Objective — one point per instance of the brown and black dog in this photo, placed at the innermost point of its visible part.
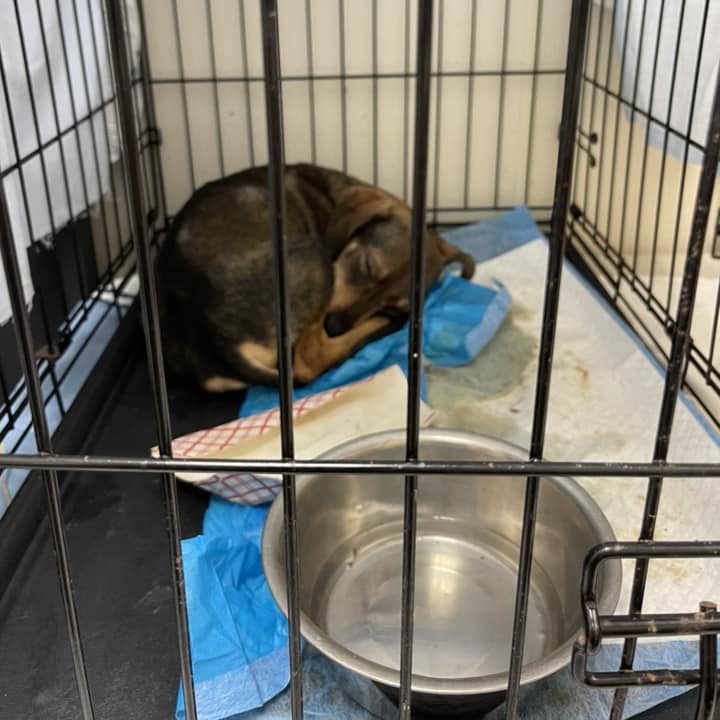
(348, 274)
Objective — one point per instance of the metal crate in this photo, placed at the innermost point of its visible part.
(573, 214)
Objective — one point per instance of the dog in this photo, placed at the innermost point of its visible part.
(348, 274)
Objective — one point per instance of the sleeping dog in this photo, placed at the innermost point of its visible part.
(348, 275)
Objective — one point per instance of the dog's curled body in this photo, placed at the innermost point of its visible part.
(215, 279)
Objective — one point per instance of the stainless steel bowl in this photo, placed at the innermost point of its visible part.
(468, 537)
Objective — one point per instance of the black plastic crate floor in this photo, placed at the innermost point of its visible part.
(120, 560)
(121, 570)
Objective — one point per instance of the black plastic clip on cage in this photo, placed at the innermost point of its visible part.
(411, 467)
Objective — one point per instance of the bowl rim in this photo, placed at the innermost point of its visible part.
(273, 533)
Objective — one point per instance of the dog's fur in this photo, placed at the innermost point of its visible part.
(348, 275)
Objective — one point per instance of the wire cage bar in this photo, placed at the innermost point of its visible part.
(575, 217)
(679, 355)
(635, 188)
(276, 182)
(73, 216)
(576, 49)
(151, 325)
(44, 442)
(105, 463)
(417, 296)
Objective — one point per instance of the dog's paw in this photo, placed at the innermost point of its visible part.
(379, 326)
(396, 323)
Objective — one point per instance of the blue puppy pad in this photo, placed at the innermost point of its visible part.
(238, 637)
(460, 318)
(491, 238)
(330, 691)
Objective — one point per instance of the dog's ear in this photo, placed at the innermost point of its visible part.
(358, 205)
(447, 253)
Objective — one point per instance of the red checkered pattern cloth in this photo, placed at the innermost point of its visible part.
(238, 487)
(242, 489)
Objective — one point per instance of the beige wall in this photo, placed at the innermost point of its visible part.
(629, 140)
(393, 128)
(626, 213)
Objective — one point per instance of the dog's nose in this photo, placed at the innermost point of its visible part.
(335, 324)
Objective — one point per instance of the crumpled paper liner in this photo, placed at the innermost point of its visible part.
(321, 422)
